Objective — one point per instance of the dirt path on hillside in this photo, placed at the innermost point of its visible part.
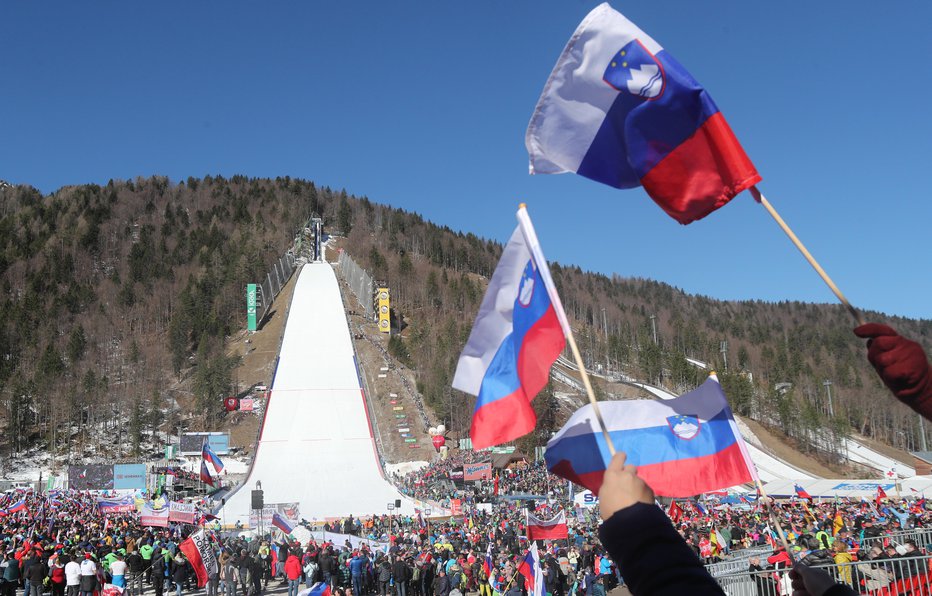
(399, 418)
(258, 352)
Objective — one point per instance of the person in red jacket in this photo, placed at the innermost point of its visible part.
(293, 573)
(902, 365)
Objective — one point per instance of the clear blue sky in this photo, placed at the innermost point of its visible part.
(423, 105)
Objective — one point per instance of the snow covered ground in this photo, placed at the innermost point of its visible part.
(405, 467)
(862, 454)
(316, 446)
(772, 468)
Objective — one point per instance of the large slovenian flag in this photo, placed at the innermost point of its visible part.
(681, 447)
(518, 334)
(533, 573)
(547, 529)
(210, 457)
(619, 109)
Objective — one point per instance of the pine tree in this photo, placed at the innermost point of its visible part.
(135, 426)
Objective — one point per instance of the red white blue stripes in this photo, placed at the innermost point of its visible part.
(681, 447)
(619, 109)
(518, 334)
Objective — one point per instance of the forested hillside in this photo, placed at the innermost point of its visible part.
(114, 295)
(643, 328)
(118, 300)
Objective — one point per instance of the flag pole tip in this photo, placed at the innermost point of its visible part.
(522, 205)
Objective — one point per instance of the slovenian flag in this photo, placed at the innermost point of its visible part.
(681, 447)
(518, 334)
(206, 478)
(801, 492)
(533, 574)
(488, 565)
(17, 506)
(210, 457)
(320, 589)
(619, 109)
(281, 523)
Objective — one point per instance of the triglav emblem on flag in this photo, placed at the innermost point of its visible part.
(684, 426)
(526, 291)
(620, 110)
(636, 70)
(518, 334)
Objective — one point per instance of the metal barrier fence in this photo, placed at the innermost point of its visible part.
(278, 275)
(738, 560)
(359, 281)
(899, 576)
(921, 536)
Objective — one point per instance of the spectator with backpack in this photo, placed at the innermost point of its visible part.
(228, 574)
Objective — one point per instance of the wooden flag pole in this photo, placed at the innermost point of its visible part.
(524, 221)
(585, 379)
(760, 198)
(775, 520)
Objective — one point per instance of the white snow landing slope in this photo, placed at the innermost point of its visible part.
(316, 446)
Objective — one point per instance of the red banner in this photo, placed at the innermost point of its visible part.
(551, 529)
(480, 471)
(201, 556)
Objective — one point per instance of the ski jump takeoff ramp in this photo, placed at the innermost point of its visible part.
(316, 445)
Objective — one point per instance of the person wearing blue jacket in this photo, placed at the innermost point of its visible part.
(358, 566)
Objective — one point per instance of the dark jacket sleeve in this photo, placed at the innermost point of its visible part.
(651, 556)
(840, 590)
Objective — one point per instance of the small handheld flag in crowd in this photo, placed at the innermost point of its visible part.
(801, 492)
(675, 512)
(881, 494)
(533, 573)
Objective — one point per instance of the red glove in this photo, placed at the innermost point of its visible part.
(901, 364)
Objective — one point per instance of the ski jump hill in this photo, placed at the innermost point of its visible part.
(316, 445)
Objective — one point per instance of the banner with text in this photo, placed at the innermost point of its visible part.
(116, 505)
(479, 471)
(149, 515)
(290, 511)
(181, 512)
